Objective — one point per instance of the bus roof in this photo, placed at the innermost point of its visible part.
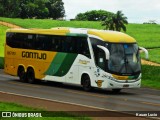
(105, 35)
(112, 36)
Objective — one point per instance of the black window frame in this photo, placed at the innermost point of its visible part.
(57, 43)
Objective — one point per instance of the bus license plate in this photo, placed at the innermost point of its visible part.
(126, 86)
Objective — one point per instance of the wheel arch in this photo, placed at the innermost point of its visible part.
(85, 74)
(21, 66)
(31, 67)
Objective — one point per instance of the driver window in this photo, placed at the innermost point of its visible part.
(99, 54)
(100, 59)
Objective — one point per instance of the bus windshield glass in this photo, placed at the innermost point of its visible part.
(124, 59)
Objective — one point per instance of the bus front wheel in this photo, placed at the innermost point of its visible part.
(31, 76)
(22, 74)
(86, 83)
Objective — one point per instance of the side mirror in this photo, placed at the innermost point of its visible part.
(145, 51)
(105, 50)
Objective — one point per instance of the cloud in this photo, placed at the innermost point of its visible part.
(135, 10)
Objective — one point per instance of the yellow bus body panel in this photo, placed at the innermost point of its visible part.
(112, 36)
(55, 31)
(13, 58)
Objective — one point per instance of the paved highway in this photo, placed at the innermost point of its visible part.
(129, 100)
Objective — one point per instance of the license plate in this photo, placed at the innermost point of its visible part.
(126, 86)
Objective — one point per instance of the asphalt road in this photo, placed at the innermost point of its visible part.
(129, 100)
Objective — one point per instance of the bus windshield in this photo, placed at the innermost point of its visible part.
(124, 59)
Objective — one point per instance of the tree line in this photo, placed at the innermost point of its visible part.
(112, 21)
(32, 8)
(55, 9)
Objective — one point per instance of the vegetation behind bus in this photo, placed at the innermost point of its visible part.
(154, 55)
(150, 76)
(147, 35)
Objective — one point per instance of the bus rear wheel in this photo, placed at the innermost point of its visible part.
(31, 76)
(22, 74)
(86, 83)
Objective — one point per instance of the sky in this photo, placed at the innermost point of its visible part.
(137, 11)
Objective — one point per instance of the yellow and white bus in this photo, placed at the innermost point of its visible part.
(87, 57)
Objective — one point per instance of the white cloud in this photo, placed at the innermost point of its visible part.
(135, 10)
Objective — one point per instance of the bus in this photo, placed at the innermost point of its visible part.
(87, 57)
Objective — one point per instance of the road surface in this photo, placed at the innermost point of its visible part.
(140, 101)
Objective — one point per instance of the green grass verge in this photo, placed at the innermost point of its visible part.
(1, 62)
(147, 35)
(4, 106)
(151, 77)
(2, 39)
(47, 23)
(1, 50)
(154, 55)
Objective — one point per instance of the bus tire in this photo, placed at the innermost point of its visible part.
(86, 83)
(21, 74)
(116, 91)
(31, 75)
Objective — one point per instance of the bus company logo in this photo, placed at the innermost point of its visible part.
(83, 62)
(6, 114)
(34, 55)
(99, 83)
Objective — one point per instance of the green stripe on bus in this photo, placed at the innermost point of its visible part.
(66, 65)
(61, 64)
(56, 63)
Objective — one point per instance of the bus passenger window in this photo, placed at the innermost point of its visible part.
(52, 44)
(83, 47)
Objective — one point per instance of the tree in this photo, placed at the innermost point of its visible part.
(41, 11)
(115, 22)
(23, 9)
(81, 16)
(56, 9)
(94, 15)
(9, 8)
(33, 8)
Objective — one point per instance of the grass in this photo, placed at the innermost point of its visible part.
(151, 77)
(4, 106)
(1, 62)
(154, 55)
(47, 23)
(147, 35)
(2, 39)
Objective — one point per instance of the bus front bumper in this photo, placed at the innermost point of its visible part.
(122, 85)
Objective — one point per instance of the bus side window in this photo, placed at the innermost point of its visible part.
(69, 44)
(9, 38)
(52, 45)
(41, 42)
(58, 46)
(83, 47)
(29, 40)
